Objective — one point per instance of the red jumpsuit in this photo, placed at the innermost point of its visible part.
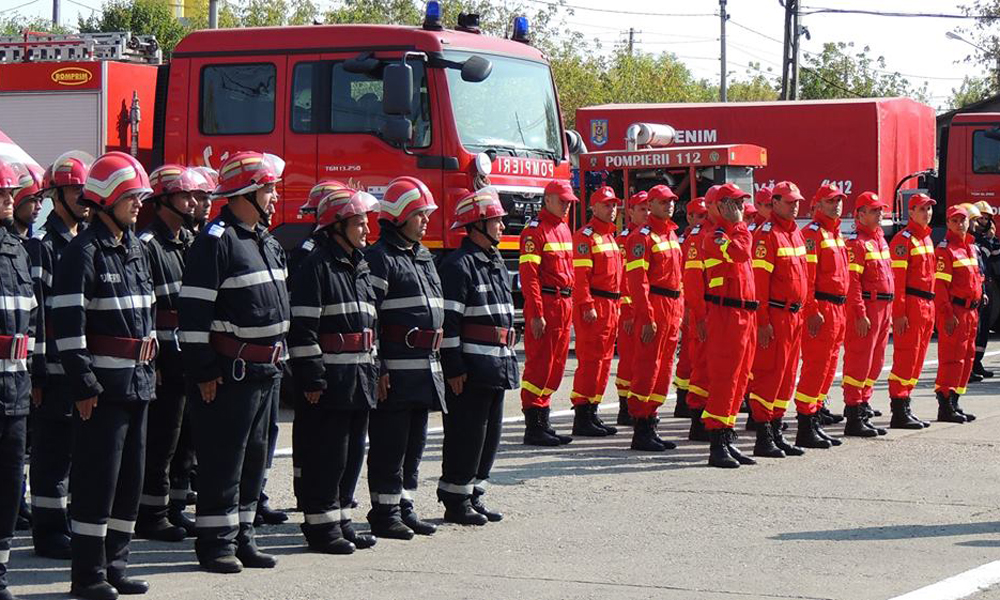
(912, 253)
(546, 270)
(780, 274)
(958, 291)
(728, 312)
(691, 374)
(623, 379)
(826, 256)
(653, 272)
(597, 263)
(870, 294)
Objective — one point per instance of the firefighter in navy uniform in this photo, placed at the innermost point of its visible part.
(411, 314)
(477, 356)
(102, 312)
(203, 196)
(331, 344)
(27, 202)
(167, 240)
(52, 427)
(234, 316)
(17, 329)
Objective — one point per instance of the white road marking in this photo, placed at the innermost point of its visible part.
(962, 585)
(608, 406)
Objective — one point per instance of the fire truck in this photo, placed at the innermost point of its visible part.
(359, 103)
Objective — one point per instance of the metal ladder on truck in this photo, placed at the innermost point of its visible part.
(33, 46)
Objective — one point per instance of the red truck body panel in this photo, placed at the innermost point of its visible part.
(860, 145)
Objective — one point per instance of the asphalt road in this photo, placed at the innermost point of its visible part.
(873, 519)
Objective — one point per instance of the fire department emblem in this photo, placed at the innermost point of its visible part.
(761, 250)
(850, 254)
(529, 246)
(599, 131)
(869, 246)
(810, 245)
(940, 265)
(692, 252)
(900, 251)
(582, 249)
(638, 250)
(713, 156)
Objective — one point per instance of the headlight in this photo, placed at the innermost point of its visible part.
(484, 164)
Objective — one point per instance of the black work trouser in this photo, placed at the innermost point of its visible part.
(983, 332)
(51, 455)
(230, 436)
(396, 438)
(471, 439)
(331, 465)
(163, 430)
(106, 479)
(182, 463)
(272, 440)
(13, 431)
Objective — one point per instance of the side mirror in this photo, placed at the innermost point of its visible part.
(574, 141)
(397, 91)
(397, 130)
(993, 133)
(476, 69)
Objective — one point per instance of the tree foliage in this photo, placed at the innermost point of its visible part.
(840, 71)
(984, 36)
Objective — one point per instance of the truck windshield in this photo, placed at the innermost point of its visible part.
(513, 111)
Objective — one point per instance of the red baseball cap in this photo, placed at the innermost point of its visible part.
(954, 211)
(918, 200)
(828, 192)
(749, 209)
(787, 189)
(661, 192)
(604, 195)
(561, 189)
(869, 200)
(697, 207)
(726, 191)
(763, 196)
(637, 199)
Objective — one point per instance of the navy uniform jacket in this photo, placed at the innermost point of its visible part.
(332, 295)
(18, 310)
(166, 257)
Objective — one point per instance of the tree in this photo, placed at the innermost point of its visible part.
(840, 72)
(144, 17)
(972, 90)
(15, 24)
(984, 34)
(759, 86)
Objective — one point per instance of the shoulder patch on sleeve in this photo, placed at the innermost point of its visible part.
(308, 245)
(906, 234)
(645, 230)
(767, 226)
(695, 230)
(146, 236)
(814, 226)
(38, 234)
(943, 244)
(720, 230)
(533, 223)
(624, 232)
(752, 227)
(217, 229)
(588, 230)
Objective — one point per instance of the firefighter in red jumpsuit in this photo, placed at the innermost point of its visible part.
(780, 274)
(824, 313)
(690, 346)
(696, 367)
(869, 314)
(597, 263)
(728, 325)
(958, 292)
(759, 212)
(546, 271)
(638, 215)
(913, 267)
(653, 272)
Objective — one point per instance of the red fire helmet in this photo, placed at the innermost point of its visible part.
(404, 197)
(246, 172)
(70, 168)
(478, 206)
(209, 179)
(319, 192)
(173, 179)
(115, 176)
(30, 184)
(336, 207)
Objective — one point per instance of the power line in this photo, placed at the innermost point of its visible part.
(19, 6)
(878, 13)
(622, 12)
(81, 4)
(764, 35)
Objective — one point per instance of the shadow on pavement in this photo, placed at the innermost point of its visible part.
(898, 532)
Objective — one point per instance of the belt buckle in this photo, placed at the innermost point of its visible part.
(276, 351)
(239, 371)
(147, 349)
(438, 338)
(177, 338)
(367, 339)
(18, 346)
(406, 338)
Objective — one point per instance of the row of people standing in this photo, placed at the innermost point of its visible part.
(749, 297)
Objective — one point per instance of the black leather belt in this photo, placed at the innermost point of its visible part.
(546, 289)
(732, 302)
(831, 298)
(664, 292)
(792, 307)
(919, 293)
(878, 296)
(604, 294)
(973, 304)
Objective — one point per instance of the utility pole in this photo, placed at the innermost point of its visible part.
(213, 14)
(55, 12)
(790, 57)
(797, 35)
(631, 39)
(722, 37)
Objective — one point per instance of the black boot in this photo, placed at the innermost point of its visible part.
(856, 426)
(583, 422)
(6, 594)
(253, 558)
(596, 418)
(752, 425)
(491, 515)
(360, 540)
(718, 453)
(667, 444)
(946, 412)
(623, 417)
(741, 458)
(411, 520)
(176, 516)
(460, 512)
(980, 370)
(267, 515)
(127, 586)
(765, 443)
(385, 522)
(23, 517)
(160, 530)
(902, 418)
(53, 546)
(697, 433)
(227, 564)
(534, 433)
(681, 410)
(543, 419)
(644, 438)
(777, 426)
(826, 436)
(745, 407)
(826, 417)
(807, 437)
(98, 590)
(954, 404)
(867, 412)
(909, 411)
